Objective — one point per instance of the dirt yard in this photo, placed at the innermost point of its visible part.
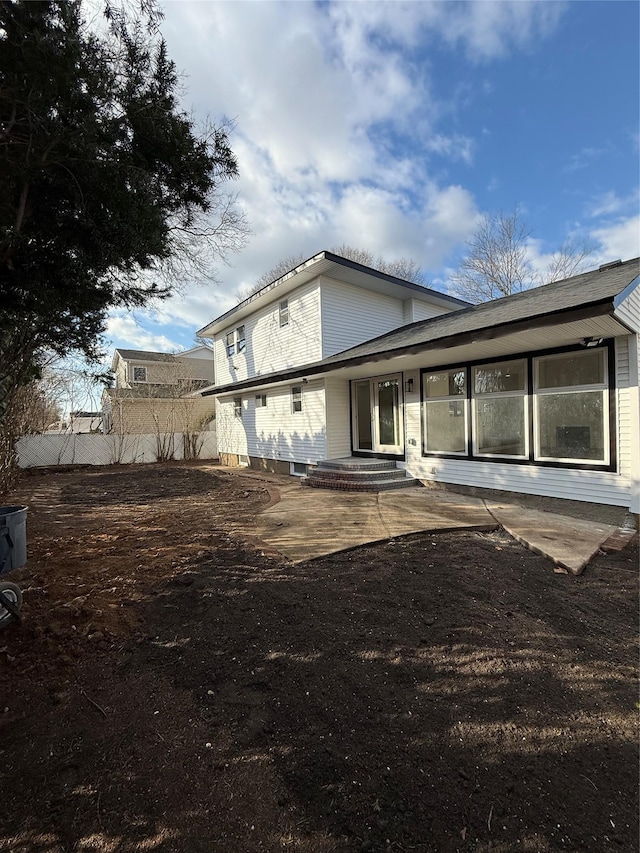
(175, 688)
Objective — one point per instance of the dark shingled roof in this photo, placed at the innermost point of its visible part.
(590, 292)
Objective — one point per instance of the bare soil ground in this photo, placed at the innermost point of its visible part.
(175, 688)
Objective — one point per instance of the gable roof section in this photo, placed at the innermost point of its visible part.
(333, 266)
(143, 355)
(585, 291)
(589, 294)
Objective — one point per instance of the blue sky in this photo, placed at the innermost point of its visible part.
(395, 126)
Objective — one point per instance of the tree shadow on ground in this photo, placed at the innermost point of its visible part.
(436, 693)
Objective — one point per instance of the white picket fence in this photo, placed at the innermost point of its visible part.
(93, 449)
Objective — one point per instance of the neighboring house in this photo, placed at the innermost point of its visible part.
(156, 392)
(79, 422)
(535, 393)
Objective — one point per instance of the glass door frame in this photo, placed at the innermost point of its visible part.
(377, 449)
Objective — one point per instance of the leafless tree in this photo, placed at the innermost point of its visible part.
(404, 268)
(499, 263)
(570, 259)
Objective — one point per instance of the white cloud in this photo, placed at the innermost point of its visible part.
(124, 330)
(325, 96)
(610, 203)
(620, 239)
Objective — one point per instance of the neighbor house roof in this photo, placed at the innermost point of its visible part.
(589, 294)
(333, 266)
(144, 355)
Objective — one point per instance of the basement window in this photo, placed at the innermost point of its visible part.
(299, 469)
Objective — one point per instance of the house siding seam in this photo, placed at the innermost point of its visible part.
(270, 347)
(274, 431)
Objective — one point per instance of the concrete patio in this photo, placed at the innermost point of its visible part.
(303, 523)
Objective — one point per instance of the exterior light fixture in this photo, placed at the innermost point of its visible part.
(409, 384)
(591, 342)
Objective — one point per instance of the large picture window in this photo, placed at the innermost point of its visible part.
(445, 411)
(500, 409)
(571, 406)
(552, 409)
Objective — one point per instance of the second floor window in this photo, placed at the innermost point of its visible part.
(296, 398)
(241, 341)
(284, 312)
(231, 345)
(139, 374)
(237, 407)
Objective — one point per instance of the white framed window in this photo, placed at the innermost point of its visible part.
(298, 469)
(284, 312)
(230, 344)
(237, 407)
(241, 341)
(139, 374)
(500, 409)
(261, 401)
(445, 411)
(296, 398)
(571, 407)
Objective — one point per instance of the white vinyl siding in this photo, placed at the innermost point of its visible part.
(628, 309)
(274, 431)
(628, 414)
(230, 429)
(421, 310)
(338, 417)
(351, 315)
(270, 347)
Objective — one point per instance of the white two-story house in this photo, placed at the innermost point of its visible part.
(537, 392)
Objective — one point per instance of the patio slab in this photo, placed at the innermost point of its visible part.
(569, 542)
(304, 523)
(309, 523)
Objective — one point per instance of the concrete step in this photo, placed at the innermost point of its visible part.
(358, 474)
(351, 463)
(353, 485)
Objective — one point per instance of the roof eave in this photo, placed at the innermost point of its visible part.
(571, 314)
(222, 321)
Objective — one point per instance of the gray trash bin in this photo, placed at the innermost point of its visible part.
(13, 537)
